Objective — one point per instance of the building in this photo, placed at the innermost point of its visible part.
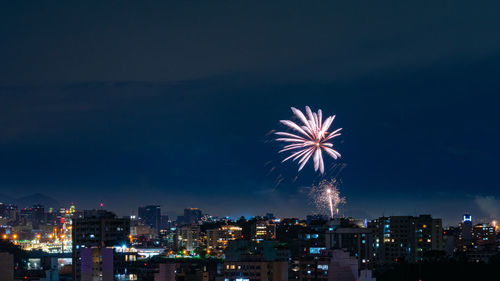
(150, 215)
(96, 264)
(166, 272)
(269, 216)
(450, 240)
(481, 243)
(192, 216)
(353, 237)
(316, 218)
(3, 210)
(218, 238)
(188, 270)
(268, 250)
(165, 222)
(12, 212)
(96, 229)
(484, 235)
(168, 238)
(466, 227)
(6, 266)
(38, 216)
(255, 260)
(189, 237)
(405, 237)
(254, 268)
(331, 265)
(263, 230)
(143, 231)
(25, 216)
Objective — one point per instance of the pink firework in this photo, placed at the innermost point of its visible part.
(310, 140)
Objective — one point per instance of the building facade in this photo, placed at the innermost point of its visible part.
(263, 230)
(96, 229)
(189, 237)
(218, 238)
(151, 216)
(405, 237)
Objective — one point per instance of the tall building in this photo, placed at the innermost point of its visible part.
(26, 215)
(218, 238)
(466, 227)
(464, 241)
(405, 237)
(353, 237)
(450, 239)
(38, 216)
(151, 215)
(12, 212)
(165, 222)
(189, 237)
(263, 230)
(96, 229)
(192, 216)
(3, 210)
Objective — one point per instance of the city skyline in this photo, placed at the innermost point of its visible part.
(174, 214)
(130, 111)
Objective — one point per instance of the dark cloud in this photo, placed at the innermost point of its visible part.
(190, 90)
(48, 42)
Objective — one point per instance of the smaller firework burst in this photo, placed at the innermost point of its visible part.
(326, 197)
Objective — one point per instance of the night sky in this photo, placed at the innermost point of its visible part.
(131, 103)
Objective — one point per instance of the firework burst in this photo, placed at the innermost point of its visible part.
(312, 140)
(326, 197)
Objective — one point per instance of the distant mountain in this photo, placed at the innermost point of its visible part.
(30, 200)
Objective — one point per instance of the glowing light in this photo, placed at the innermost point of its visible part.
(14, 236)
(312, 140)
(4, 236)
(326, 196)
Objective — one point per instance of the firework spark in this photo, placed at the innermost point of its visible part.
(326, 196)
(312, 140)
